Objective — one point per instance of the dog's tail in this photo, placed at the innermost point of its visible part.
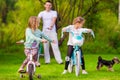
(99, 58)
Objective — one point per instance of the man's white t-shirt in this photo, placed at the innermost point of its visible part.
(47, 19)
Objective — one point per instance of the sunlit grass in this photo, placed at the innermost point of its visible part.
(10, 63)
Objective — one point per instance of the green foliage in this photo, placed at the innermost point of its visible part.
(100, 15)
(17, 20)
(114, 40)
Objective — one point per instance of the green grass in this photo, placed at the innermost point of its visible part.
(10, 63)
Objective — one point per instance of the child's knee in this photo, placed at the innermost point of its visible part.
(67, 58)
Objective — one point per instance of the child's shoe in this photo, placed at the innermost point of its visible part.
(21, 70)
(37, 64)
(84, 72)
(64, 72)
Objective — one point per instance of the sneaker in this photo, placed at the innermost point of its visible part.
(37, 64)
(64, 72)
(84, 72)
(47, 62)
(21, 70)
(60, 63)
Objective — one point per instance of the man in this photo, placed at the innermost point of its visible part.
(49, 18)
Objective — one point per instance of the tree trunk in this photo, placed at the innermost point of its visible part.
(119, 13)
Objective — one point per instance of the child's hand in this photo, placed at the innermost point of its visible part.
(63, 30)
(89, 30)
(44, 41)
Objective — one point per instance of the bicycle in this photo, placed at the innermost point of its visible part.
(75, 60)
(31, 67)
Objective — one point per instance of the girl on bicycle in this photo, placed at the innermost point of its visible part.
(33, 39)
(77, 28)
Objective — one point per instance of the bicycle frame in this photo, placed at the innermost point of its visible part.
(30, 67)
(31, 62)
(76, 60)
(76, 52)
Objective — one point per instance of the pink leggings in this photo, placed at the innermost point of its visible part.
(28, 51)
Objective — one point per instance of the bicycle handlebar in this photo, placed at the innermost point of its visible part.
(20, 42)
(92, 33)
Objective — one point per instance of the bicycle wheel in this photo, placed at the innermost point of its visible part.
(30, 71)
(77, 66)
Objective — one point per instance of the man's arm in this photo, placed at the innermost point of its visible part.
(53, 20)
(52, 23)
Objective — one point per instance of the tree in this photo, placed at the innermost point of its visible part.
(119, 13)
(94, 11)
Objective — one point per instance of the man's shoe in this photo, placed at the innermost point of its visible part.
(47, 62)
(60, 63)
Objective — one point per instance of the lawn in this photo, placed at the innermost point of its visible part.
(10, 62)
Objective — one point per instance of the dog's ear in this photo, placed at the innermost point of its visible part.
(116, 60)
(99, 58)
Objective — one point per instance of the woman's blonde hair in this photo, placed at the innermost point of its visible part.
(33, 22)
(78, 20)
